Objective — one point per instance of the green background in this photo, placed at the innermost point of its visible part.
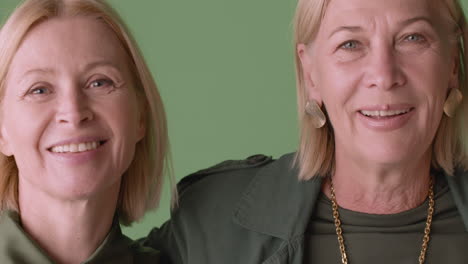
(225, 71)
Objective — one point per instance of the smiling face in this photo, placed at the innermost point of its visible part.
(383, 70)
(69, 114)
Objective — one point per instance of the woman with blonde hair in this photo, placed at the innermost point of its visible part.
(83, 135)
(380, 175)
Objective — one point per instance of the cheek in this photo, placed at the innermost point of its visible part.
(434, 99)
(334, 78)
(24, 127)
(338, 85)
(123, 118)
(128, 120)
(431, 82)
(125, 124)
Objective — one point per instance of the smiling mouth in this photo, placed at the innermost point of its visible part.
(380, 114)
(77, 147)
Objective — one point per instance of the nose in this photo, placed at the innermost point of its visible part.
(73, 108)
(384, 70)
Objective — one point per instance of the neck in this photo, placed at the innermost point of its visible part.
(380, 189)
(68, 230)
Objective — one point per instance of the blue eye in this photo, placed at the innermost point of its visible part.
(39, 90)
(101, 83)
(350, 45)
(414, 38)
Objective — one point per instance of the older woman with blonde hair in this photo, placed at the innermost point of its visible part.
(380, 174)
(82, 133)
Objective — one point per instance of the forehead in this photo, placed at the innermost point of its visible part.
(367, 11)
(76, 41)
(377, 4)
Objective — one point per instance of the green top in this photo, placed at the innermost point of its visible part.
(383, 239)
(254, 211)
(16, 247)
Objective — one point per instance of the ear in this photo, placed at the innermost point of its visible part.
(305, 56)
(5, 146)
(141, 128)
(454, 74)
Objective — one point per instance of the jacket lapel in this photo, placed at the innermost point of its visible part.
(15, 245)
(458, 184)
(276, 203)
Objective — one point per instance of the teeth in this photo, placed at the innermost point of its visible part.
(384, 113)
(81, 147)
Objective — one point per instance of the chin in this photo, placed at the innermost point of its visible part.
(394, 157)
(75, 193)
(86, 189)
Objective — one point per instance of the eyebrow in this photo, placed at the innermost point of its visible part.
(87, 67)
(101, 64)
(400, 24)
(346, 28)
(39, 70)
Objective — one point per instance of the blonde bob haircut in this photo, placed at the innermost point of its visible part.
(316, 154)
(142, 182)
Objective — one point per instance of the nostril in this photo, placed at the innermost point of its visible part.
(74, 116)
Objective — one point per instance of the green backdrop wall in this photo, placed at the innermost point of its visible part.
(225, 71)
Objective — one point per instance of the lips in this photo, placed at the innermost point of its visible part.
(76, 146)
(385, 113)
(386, 117)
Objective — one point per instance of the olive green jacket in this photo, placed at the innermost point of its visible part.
(249, 212)
(16, 247)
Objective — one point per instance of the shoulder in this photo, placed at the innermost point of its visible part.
(209, 204)
(229, 170)
(142, 254)
(215, 192)
(205, 206)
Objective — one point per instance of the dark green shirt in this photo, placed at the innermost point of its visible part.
(395, 238)
(16, 247)
(256, 211)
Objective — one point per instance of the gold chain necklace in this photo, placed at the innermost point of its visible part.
(427, 229)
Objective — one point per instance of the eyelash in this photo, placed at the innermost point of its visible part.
(41, 90)
(33, 91)
(344, 45)
(420, 38)
(107, 81)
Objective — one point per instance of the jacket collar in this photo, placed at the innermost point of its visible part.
(276, 203)
(17, 247)
(458, 184)
(116, 248)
